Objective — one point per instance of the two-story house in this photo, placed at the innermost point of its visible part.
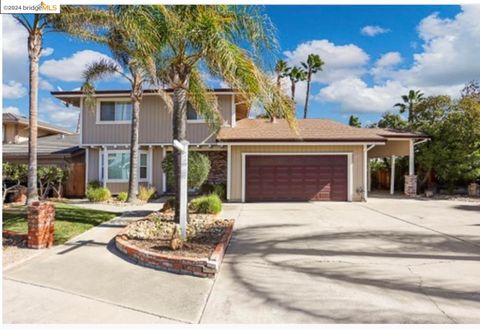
(259, 160)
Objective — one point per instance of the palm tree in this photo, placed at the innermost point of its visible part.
(296, 74)
(409, 103)
(282, 70)
(354, 121)
(313, 65)
(36, 25)
(209, 37)
(132, 42)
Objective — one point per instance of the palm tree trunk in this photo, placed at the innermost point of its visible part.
(133, 178)
(34, 49)
(179, 122)
(309, 78)
(293, 91)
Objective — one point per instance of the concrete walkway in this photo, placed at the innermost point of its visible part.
(87, 281)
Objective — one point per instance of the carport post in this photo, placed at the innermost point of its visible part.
(369, 178)
(392, 176)
(411, 159)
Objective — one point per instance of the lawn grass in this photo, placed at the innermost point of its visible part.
(70, 220)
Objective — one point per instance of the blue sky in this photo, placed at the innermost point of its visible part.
(372, 55)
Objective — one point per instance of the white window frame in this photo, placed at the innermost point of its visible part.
(141, 152)
(109, 122)
(349, 166)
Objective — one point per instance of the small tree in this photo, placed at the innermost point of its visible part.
(354, 121)
(391, 120)
(51, 178)
(14, 176)
(198, 169)
(453, 153)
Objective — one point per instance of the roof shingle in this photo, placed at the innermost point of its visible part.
(309, 130)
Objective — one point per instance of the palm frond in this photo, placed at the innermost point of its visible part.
(237, 69)
(204, 102)
(95, 71)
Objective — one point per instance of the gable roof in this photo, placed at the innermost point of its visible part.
(58, 144)
(16, 119)
(309, 130)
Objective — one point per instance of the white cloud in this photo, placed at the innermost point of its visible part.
(354, 95)
(447, 60)
(13, 90)
(45, 85)
(15, 59)
(385, 64)
(450, 51)
(13, 110)
(341, 61)
(389, 59)
(373, 30)
(46, 52)
(71, 68)
(53, 111)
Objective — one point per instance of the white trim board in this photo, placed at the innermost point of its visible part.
(108, 152)
(349, 166)
(110, 122)
(298, 143)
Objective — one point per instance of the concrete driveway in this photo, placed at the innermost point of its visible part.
(385, 261)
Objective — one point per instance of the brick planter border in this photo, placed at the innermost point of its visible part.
(13, 234)
(202, 267)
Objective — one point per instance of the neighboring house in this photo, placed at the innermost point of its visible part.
(257, 159)
(55, 146)
(15, 129)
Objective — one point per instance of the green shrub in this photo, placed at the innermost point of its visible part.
(122, 196)
(98, 194)
(94, 184)
(198, 169)
(219, 189)
(209, 204)
(145, 194)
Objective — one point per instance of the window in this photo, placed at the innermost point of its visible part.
(119, 166)
(192, 115)
(143, 166)
(115, 111)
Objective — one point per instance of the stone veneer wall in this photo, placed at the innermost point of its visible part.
(218, 170)
(411, 185)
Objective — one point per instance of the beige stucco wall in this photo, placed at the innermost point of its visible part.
(395, 148)
(116, 187)
(155, 124)
(16, 133)
(236, 163)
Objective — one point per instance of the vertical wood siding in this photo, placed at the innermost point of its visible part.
(236, 165)
(155, 124)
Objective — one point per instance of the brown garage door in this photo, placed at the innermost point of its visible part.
(296, 178)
